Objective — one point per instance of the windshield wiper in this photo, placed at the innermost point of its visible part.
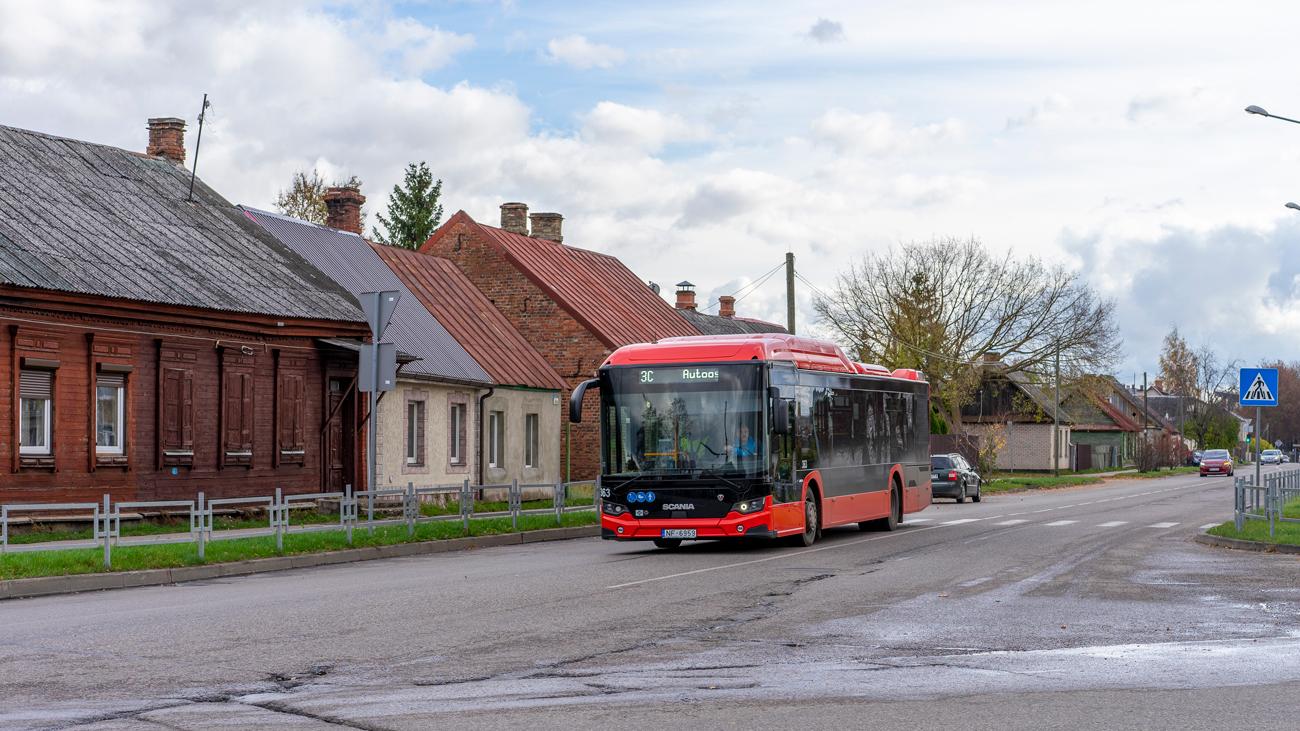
(709, 470)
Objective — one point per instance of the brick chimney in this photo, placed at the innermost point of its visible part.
(514, 218)
(167, 139)
(726, 307)
(685, 296)
(991, 357)
(1159, 385)
(344, 206)
(547, 226)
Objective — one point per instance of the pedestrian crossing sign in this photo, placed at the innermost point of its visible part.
(1258, 387)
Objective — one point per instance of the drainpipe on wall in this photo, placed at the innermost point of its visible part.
(482, 424)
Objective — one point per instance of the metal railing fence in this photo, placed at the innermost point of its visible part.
(106, 518)
(1265, 502)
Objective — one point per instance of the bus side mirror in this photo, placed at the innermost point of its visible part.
(575, 399)
(780, 412)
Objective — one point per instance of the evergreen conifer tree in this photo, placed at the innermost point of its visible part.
(413, 210)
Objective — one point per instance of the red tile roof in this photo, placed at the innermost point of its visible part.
(471, 318)
(596, 289)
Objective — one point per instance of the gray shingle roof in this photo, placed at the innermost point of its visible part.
(347, 259)
(91, 219)
(715, 325)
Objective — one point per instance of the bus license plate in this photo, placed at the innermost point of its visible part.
(678, 533)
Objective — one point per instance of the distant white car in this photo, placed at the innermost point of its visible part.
(1271, 456)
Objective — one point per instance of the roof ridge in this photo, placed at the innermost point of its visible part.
(100, 145)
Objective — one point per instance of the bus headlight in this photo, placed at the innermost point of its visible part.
(745, 507)
(612, 508)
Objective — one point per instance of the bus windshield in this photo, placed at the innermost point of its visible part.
(681, 420)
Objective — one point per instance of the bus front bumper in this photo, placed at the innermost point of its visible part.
(755, 525)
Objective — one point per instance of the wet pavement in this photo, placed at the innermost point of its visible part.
(1060, 608)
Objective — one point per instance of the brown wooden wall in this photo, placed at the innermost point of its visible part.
(275, 369)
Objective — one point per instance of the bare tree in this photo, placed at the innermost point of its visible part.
(1204, 384)
(940, 305)
(305, 197)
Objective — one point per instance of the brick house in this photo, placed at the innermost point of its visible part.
(573, 305)
(155, 345)
(1012, 410)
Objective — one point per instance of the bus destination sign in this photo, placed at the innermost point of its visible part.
(680, 375)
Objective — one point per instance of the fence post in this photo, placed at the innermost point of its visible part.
(514, 504)
(276, 521)
(559, 501)
(345, 511)
(202, 525)
(466, 504)
(412, 507)
(4, 528)
(370, 509)
(108, 550)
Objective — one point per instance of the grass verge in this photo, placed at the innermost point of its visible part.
(1020, 483)
(1257, 530)
(133, 558)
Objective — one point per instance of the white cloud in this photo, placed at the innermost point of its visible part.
(422, 48)
(874, 133)
(644, 130)
(1187, 102)
(578, 52)
(1049, 110)
(826, 31)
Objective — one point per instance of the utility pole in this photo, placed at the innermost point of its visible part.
(1056, 417)
(1144, 411)
(789, 291)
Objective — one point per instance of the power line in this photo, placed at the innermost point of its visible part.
(753, 284)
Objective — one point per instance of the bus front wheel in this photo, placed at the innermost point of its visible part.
(809, 535)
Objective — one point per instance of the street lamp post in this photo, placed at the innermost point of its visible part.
(1252, 109)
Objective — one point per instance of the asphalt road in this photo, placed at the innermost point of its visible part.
(1078, 608)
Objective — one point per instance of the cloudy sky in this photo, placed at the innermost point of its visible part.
(703, 140)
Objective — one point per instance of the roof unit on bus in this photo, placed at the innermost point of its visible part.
(807, 353)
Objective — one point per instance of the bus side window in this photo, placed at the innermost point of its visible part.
(782, 458)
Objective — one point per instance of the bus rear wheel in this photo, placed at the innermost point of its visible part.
(667, 542)
(809, 535)
(895, 514)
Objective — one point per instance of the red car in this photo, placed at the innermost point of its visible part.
(1216, 462)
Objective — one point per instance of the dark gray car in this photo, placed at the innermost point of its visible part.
(952, 476)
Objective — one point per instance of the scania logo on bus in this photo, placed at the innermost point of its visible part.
(679, 506)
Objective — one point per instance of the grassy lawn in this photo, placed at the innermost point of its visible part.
(129, 558)
(453, 506)
(1257, 530)
(1163, 473)
(1017, 483)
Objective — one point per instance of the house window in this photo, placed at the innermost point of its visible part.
(110, 413)
(36, 391)
(530, 440)
(237, 419)
(496, 439)
(293, 417)
(415, 433)
(456, 450)
(178, 415)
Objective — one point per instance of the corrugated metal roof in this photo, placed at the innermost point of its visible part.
(348, 259)
(472, 318)
(91, 219)
(596, 289)
(716, 325)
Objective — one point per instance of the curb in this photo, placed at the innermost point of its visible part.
(74, 583)
(1221, 542)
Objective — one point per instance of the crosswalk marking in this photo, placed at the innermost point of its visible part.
(1112, 524)
(1208, 526)
(957, 522)
(1061, 522)
(1162, 525)
(1012, 522)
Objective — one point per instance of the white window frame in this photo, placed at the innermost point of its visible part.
(412, 430)
(532, 424)
(457, 430)
(48, 447)
(121, 422)
(496, 438)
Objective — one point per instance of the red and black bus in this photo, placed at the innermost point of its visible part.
(770, 436)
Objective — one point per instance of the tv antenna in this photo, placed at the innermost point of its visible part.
(195, 168)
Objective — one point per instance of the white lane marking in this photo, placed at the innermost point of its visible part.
(1112, 524)
(773, 558)
(1044, 510)
(1012, 522)
(1208, 526)
(1162, 525)
(920, 520)
(959, 522)
(1061, 522)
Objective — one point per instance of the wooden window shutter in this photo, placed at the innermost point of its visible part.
(187, 410)
(171, 426)
(464, 433)
(246, 412)
(299, 413)
(292, 412)
(234, 418)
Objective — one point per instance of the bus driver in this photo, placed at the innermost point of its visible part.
(745, 446)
